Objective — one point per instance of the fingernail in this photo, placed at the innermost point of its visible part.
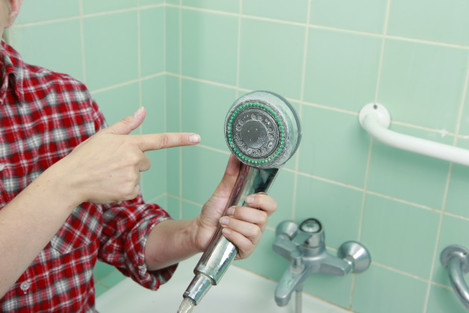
(250, 200)
(226, 231)
(230, 211)
(194, 138)
(139, 112)
(224, 221)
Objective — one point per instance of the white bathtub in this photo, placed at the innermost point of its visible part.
(238, 291)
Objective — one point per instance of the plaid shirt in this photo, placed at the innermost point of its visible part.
(43, 116)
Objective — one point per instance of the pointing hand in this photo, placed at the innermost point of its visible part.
(106, 167)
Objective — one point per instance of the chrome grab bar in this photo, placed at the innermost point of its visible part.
(455, 259)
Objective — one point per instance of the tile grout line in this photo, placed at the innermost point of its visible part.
(139, 77)
(435, 257)
(352, 187)
(238, 56)
(378, 82)
(383, 45)
(362, 214)
(324, 107)
(139, 60)
(402, 272)
(403, 201)
(82, 41)
(302, 94)
(463, 101)
(126, 83)
(165, 57)
(165, 96)
(155, 199)
(180, 105)
(89, 15)
(331, 28)
(259, 18)
(224, 85)
(370, 146)
(445, 195)
(226, 152)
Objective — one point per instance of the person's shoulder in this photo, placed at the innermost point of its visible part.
(58, 88)
(50, 78)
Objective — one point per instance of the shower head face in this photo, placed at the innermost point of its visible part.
(262, 130)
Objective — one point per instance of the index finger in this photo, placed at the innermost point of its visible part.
(262, 201)
(149, 142)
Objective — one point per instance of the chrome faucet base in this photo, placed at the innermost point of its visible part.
(304, 246)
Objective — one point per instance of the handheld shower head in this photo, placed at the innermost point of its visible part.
(263, 131)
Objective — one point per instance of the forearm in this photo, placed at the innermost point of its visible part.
(28, 223)
(169, 242)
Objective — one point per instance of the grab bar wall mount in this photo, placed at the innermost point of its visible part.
(375, 119)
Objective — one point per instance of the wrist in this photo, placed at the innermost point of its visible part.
(171, 241)
(196, 231)
(59, 183)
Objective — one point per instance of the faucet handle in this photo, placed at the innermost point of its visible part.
(288, 228)
(283, 244)
(356, 254)
(311, 233)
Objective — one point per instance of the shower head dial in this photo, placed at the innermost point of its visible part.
(262, 129)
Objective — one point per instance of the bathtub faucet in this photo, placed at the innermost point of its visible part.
(304, 247)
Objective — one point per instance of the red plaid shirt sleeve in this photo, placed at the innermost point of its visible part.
(124, 246)
(43, 116)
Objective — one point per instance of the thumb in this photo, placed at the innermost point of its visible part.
(230, 176)
(128, 124)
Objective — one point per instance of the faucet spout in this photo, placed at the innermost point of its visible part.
(303, 266)
(291, 280)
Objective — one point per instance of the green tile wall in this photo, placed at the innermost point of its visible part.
(187, 61)
(48, 10)
(359, 15)
(341, 68)
(90, 6)
(62, 53)
(417, 76)
(441, 21)
(266, 62)
(209, 46)
(294, 11)
(111, 49)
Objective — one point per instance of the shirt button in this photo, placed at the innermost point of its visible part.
(25, 285)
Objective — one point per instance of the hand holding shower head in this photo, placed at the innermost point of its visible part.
(263, 131)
